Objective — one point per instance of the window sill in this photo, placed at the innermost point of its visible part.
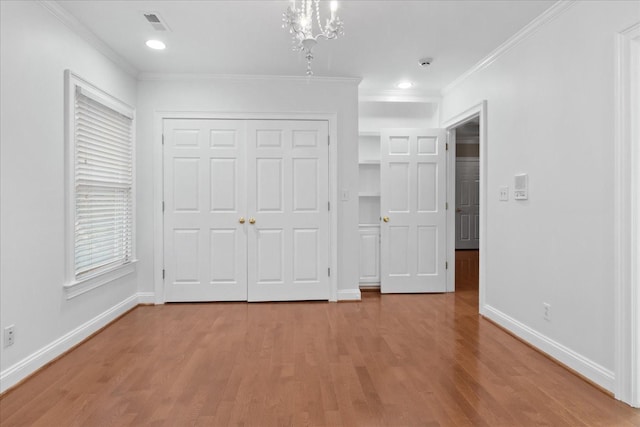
(79, 287)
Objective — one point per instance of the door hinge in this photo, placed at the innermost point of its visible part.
(446, 205)
(446, 265)
(446, 146)
(329, 271)
(328, 139)
(163, 273)
(163, 139)
(163, 206)
(328, 206)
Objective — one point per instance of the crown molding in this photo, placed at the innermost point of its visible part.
(528, 30)
(144, 76)
(81, 30)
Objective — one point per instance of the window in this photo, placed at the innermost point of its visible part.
(100, 184)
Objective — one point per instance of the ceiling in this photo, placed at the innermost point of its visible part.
(382, 44)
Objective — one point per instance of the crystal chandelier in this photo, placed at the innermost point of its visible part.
(300, 21)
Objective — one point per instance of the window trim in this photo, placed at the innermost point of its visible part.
(72, 285)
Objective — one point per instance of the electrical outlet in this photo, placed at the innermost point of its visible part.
(9, 335)
(547, 311)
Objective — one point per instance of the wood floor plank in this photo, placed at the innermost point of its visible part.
(391, 360)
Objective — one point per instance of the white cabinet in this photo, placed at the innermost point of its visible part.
(369, 254)
(369, 207)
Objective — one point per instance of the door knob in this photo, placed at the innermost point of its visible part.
(252, 220)
(458, 210)
(385, 218)
(241, 220)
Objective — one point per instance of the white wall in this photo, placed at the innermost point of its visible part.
(551, 115)
(374, 116)
(36, 48)
(251, 95)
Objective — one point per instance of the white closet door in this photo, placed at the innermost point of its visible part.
(204, 193)
(412, 200)
(287, 196)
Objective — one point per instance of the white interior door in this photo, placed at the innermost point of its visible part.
(412, 204)
(246, 210)
(205, 251)
(467, 203)
(288, 198)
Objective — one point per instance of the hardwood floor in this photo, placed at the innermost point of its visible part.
(392, 360)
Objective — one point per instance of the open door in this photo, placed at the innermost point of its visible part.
(413, 209)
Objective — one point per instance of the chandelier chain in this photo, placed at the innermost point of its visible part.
(318, 14)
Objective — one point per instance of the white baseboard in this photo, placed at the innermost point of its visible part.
(27, 366)
(349, 295)
(586, 367)
(146, 298)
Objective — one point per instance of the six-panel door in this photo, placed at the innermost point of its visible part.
(288, 196)
(205, 245)
(246, 210)
(412, 204)
(467, 203)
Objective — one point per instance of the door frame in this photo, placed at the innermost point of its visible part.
(478, 110)
(626, 223)
(158, 184)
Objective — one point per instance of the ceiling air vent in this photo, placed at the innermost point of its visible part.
(156, 21)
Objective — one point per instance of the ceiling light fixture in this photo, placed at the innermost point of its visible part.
(155, 44)
(404, 85)
(299, 20)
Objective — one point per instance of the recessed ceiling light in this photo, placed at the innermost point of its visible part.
(404, 85)
(155, 44)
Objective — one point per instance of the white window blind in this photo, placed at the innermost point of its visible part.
(103, 187)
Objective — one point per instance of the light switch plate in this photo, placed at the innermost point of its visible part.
(504, 194)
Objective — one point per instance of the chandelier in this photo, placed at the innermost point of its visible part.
(300, 21)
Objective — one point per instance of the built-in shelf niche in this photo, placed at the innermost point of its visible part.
(369, 148)
(369, 210)
(369, 178)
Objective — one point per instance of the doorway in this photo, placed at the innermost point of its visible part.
(466, 189)
(467, 201)
(467, 205)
